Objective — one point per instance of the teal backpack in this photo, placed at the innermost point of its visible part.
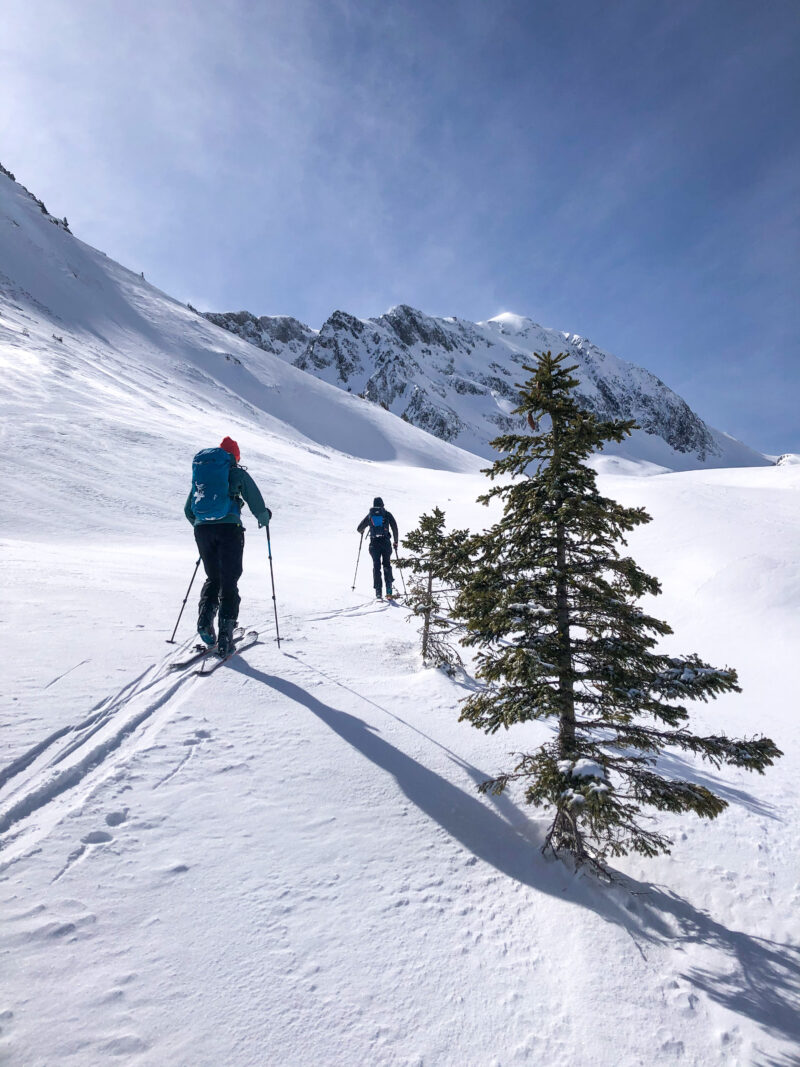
(211, 495)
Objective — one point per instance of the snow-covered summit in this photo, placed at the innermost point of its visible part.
(508, 322)
(458, 380)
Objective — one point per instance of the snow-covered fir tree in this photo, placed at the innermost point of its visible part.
(433, 560)
(552, 606)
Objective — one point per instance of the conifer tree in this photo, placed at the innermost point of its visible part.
(433, 562)
(551, 605)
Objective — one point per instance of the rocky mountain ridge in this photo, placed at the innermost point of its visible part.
(458, 379)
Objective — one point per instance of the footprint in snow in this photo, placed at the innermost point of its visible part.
(94, 837)
(199, 736)
(125, 1045)
(68, 930)
(97, 837)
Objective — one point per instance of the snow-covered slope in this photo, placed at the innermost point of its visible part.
(288, 862)
(457, 379)
(98, 363)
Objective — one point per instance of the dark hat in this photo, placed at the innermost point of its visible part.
(377, 502)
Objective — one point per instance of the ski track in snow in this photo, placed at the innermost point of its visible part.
(116, 722)
(37, 787)
(483, 886)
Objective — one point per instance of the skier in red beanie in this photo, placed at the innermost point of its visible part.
(213, 507)
(229, 445)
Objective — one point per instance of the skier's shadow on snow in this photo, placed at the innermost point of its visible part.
(759, 979)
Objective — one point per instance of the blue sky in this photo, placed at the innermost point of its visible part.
(627, 170)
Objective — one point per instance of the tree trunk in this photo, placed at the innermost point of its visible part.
(566, 726)
(426, 625)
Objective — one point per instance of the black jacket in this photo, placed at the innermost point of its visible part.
(388, 518)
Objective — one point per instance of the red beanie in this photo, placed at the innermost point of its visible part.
(230, 445)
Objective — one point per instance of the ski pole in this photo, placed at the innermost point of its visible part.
(272, 577)
(171, 640)
(358, 557)
(399, 568)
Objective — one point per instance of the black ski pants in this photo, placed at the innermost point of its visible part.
(381, 551)
(221, 546)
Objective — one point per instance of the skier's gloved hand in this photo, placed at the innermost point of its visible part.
(395, 546)
(264, 517)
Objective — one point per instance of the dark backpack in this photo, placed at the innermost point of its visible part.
(378, 524)
(211, 495)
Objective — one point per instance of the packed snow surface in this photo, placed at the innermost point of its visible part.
(288, 862)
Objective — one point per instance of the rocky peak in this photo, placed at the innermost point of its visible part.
(459, 379)
(411, 327)
(272, 333)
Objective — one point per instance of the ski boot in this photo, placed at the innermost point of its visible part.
(205, 622)
(225, 643)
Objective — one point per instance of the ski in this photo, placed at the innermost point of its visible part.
(198, 654)
(201, 651)
(246, 641)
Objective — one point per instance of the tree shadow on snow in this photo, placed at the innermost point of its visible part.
(758, 979)
(675, 766)
(776, 1059)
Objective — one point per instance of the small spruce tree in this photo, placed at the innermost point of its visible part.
(434, 565)
(551, 605)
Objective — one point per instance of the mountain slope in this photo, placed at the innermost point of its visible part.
(121, 368)
(457, 379)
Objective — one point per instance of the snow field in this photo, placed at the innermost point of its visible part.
(290, 862)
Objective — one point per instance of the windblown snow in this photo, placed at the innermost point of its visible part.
(288, 862)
